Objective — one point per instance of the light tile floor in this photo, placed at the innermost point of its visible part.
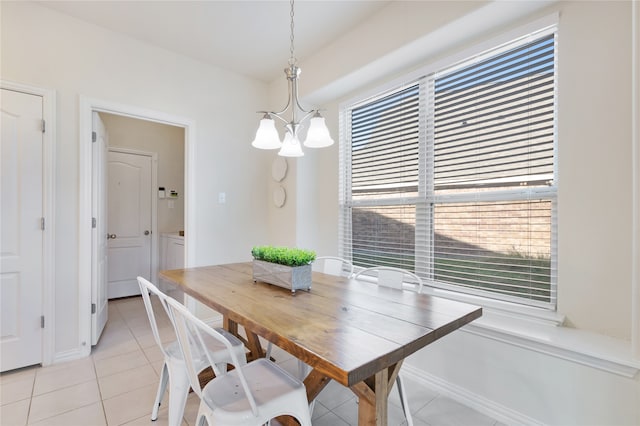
(117, 384)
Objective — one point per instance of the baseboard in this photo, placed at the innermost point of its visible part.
(470, 399)
(70, 355)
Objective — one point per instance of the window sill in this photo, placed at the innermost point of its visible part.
(518, 311)
(583, 347)
(542, 331)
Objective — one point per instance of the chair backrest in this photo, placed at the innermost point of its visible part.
(333, 266)
(193, 334)
(393, 277)
(145, 288)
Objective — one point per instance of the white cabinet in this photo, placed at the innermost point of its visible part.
(172, 257)
(171, 252)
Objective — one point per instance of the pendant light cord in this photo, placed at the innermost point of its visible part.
(292, 59)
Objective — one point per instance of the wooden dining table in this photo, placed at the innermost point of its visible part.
(354, 332)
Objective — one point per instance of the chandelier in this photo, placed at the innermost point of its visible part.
(267, 136)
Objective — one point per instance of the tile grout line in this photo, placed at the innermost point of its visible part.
(33, 387)
(104, 413)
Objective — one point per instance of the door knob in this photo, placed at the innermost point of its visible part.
(146, 232)
(111, 236)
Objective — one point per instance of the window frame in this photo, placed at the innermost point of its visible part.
(427, 198)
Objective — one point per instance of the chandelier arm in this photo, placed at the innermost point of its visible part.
(293, 90)
(291, 94)
(277, 115)
(271, 114)
(308, 114)
(306, 111)
(289, 103)
(283, 110)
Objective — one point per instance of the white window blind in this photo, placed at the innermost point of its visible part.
(494, 120)
(384, 146)
(383, 174)
(453, 176)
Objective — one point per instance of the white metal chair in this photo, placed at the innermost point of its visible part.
(250, 394)
(333, 266)
(388, 276)
(174, 371)
(403, 280)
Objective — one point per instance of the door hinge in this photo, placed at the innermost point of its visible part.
(94, 136)
(42, 321)
(93, 222)
(93, 308)
(44, 126)
(42, 223)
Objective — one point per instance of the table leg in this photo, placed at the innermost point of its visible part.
(230, 326)
(255, 347)
(252, 342)
(314, 383)
(373, 395)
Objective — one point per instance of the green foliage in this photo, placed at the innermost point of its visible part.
(283, 255)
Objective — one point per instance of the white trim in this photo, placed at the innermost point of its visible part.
(70, 355)
(541, 315)
(154, 204)
(635, 183)
(48, 210)
(477, 402)
(579, 346)
(525, 194)
(86, 106)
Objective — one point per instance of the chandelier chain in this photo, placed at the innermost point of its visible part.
(292, 59)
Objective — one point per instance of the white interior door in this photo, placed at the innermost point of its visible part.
(129, 223)
(22, 224)
(99, 300)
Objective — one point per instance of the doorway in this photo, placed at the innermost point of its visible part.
(112, 113)
(146, 198)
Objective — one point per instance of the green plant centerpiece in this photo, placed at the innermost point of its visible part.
(283, 266)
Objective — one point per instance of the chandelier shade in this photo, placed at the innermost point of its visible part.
(291, 146)
(318, 134)
(267, 136)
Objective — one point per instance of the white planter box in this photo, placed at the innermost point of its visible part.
(292, 278)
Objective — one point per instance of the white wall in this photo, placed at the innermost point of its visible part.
(40, 47)
(550, 379)
(594, 130)
(518, 385)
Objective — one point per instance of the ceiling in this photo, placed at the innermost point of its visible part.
(248, 37)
